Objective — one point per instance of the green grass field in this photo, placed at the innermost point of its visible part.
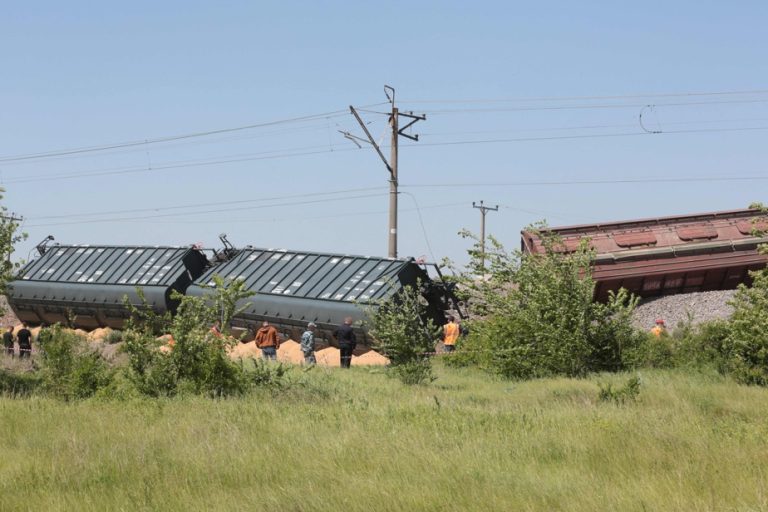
(358, 440)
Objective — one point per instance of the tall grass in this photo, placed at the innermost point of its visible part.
(358, 440)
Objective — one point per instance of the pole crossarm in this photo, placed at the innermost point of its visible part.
(370, 138)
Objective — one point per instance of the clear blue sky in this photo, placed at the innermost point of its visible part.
(80, 74)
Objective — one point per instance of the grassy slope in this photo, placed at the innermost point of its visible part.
(359, 441)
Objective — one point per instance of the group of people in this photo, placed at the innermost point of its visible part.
(268, 341)
(24, 339)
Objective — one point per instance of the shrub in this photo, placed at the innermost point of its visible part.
(403, 333)
(418, 371)
(745, 347)
(536, 316)
(198, 361)
(70, 368)
(115, 336)
(621, 395)
(17, 382)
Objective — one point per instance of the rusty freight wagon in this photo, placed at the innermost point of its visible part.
(293, 288)
(667, 255)
(86, 285)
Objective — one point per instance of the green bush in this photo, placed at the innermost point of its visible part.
(745, 347)
(70, 368)
(418, 371)
(404, 334)
(18, 382)
(621, 395)
(535, 315)
(115, 336)
(197, 362)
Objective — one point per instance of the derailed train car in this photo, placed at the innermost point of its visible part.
(293, 288)
(86, 286)
(668, 255)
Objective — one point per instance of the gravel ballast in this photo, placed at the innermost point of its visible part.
(673, 309)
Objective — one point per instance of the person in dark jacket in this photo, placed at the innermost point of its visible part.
(24, 336)
(347, 341)
(8, 341)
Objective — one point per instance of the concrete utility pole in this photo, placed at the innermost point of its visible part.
(391, 165)
(483, 211)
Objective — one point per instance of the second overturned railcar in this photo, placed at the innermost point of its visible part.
(294, 288)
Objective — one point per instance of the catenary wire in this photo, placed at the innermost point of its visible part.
(183, 165)
(202, 205)
(89, 149)
(202, 212)
(605, 97)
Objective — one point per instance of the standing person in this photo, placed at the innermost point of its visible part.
(659, 329)
(308, 344)
(268, 341)
(451, 332)
(347, 340)
(8, 341)
(25, 342)
(216, 329)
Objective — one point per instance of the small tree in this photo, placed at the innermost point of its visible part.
(535, 315)
(404, 334)
(198, 361)
(9, 236)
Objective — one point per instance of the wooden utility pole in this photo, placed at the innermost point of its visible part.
(391, 165)
(483, 211)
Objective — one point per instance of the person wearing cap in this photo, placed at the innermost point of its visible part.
(308, 344)
(659, 329)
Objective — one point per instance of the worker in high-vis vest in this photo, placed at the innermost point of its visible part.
(660, 329)
(451, 332)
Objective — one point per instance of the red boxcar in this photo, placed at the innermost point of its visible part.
(666, 255)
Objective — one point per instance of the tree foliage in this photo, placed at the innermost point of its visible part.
(534, 314)
(403, 333)
(197, 360)
(9, 236)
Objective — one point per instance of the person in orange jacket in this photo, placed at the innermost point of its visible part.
(268, 340)
(451, 332)
(659, 329)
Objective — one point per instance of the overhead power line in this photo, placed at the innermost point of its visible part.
(201, 205)
(200, 212)
(588, 106)
(119, 145)
(296, 152)
(605, 97)
(690, 179)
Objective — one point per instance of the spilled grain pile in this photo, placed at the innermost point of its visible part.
(99, 334)
(290, 352)
(370, 358)
(245, 351)
(328, 357)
